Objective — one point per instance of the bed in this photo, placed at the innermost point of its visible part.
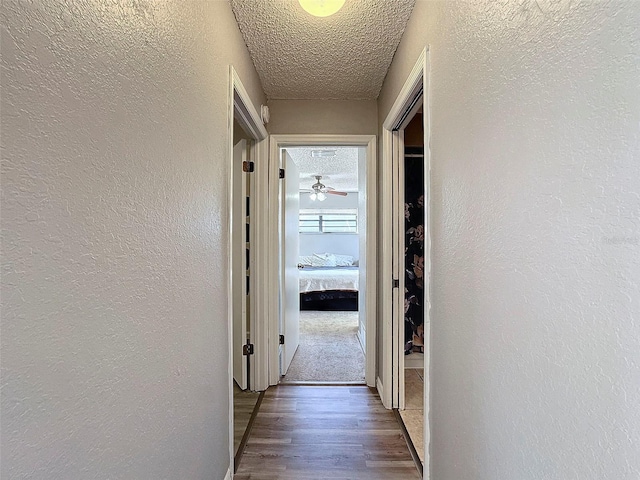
(331, 288)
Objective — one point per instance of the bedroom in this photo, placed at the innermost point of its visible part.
(331, 333)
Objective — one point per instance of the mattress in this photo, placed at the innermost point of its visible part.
(320, 279)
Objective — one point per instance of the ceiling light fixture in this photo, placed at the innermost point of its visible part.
(318, 190)
(318, 195)
(321, 8)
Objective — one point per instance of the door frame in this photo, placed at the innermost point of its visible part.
(287, 141)
(240, 107)
(392, 368)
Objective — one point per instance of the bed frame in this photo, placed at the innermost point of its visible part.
(330, 300)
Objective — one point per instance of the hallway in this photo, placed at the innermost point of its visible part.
(116, 179)
(305, 432)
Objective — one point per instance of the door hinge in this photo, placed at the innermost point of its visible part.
(281, 339)
(396, 283)
(281, 173)
(248, 167)
(247, 349)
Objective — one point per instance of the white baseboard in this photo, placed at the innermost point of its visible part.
(415, 360)
(359, 337)
(381, 392)
(228, 476)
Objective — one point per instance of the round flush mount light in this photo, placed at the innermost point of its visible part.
(321, 8)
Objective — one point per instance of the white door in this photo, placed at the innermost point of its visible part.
(362, 246)
(239, 264)
(290, 255)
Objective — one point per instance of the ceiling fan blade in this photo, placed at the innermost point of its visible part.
(335, 192)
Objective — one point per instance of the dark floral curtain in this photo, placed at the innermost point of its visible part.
(414, 249)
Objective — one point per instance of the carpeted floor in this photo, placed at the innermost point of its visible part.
(329, 350)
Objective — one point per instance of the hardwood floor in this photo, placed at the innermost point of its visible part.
(325, 432)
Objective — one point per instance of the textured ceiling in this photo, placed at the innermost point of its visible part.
(344, 56)
(339, 172)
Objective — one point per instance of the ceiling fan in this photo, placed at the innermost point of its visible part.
(319, 190)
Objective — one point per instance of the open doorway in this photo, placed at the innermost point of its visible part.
(405, 233)
(244, 398)
(325, 218)
(247, 146)
(412, 244)
(350, 253)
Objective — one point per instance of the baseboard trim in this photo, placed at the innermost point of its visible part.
(415, 360)
(228, 475)
(359, 337)
(380, 388)
(317, 383)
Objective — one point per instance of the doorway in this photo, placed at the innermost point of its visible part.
(411, 251)
(285, 310)
(247, 147)
(405, 234)
(320, 218)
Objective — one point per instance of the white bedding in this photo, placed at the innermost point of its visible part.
(318, 279)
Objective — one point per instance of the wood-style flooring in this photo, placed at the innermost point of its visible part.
(325, 432)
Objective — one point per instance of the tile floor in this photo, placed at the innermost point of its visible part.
(413, 414)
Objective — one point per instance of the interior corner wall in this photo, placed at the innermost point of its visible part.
(329, 117)
(114, 224)
(535, 218)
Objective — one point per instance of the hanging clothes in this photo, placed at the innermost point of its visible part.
(414, 249)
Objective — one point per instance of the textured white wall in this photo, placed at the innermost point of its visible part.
(536, 236)
(341, 243)
(114, 233)
(335, 117)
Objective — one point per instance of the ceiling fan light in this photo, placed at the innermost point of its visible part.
(313, 196)
(321, 8)
(321, 197)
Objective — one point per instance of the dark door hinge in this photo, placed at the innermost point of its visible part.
(281, 339)
(248, 167)
(396, 283)
(247, 349)
(281, 173)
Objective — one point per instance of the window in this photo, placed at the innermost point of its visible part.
(346, 222)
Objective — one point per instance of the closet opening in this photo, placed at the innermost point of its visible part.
(403, 380)
(412, 249)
